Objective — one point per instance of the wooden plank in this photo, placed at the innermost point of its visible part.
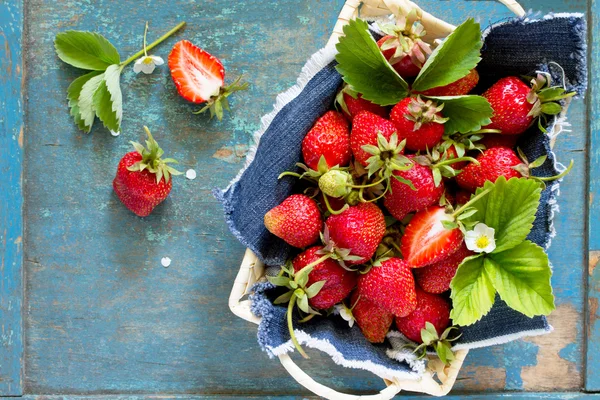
(592, 355)
(105, 317)
(485, 396)
(11, 224)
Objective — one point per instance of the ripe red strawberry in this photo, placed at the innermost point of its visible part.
(296, 220)
(390, 285)
(419, 122)
(339, 282)
(403, 46)
(426, 240)
(402, 199)
(352, 103)
(460, 87)
(200, 77)
(490, 140)
(365, 128)
(373, 320)
(493, 163)
(405, 67)
(436, 278)
(329, 137)
(143, 179)
(512, 110)
(430, 308)
(359, 229)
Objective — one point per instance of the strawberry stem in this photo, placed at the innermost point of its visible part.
(456, 160)
(553, 178)
(331, 210)
(290, 324)
(151, 45)
(485, 131)
(315, 263)
(367, 186)
(289, 173)
(470, 203)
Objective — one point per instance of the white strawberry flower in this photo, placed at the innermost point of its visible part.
(345, 313)
(481, 239)
(146, 64)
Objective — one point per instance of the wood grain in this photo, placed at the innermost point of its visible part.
(104, 317)
(592, 354)
(11, 198)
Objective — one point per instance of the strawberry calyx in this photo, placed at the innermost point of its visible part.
(389, 245)
(525, 168)
(406, 39)
(298, 294)
(218, 102)
(441, 344)
(339, 98)
(331, 250)
(424, 111)
(441, 164)
(463, 142)
(456, 218)
(545, 98)
(152, 161)
(385, 158)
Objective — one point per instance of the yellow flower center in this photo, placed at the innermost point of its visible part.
(482, 242)
(147, 60)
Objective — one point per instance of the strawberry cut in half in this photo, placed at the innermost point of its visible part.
(426, 240)
(200, 78)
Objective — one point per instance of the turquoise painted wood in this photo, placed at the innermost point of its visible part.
(102, 316)
(11, 197)
(592, 382)
(487, 396)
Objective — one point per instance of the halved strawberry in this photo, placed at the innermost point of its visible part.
(426, 240)
(200, 77)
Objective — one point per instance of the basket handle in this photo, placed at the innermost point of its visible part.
(427, 384)
(435, 27)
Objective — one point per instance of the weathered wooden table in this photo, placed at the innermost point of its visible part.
(86, 307)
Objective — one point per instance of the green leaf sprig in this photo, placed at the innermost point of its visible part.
(517, 269)
(97, 93)
(298, 294)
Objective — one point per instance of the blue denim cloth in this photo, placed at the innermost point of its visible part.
(514, 47)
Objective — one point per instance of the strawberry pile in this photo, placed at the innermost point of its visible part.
(396, 179)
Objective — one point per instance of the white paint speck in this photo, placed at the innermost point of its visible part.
(165, 261)
(115, 134)
(190, 174)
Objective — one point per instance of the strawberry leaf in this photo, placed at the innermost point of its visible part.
(363, 66)
(465, 113)
(521, 276)
(108, 102)
(472, 292)
(509, 208)
(87, 111)
(86, 50)
(73, 93)
(458, 54)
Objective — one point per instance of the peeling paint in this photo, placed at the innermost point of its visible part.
(481, 378)
(593, 316)
(20, 140)
(232, 154)
(552, 371)
(594, 258)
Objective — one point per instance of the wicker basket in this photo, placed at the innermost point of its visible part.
(438, 379)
